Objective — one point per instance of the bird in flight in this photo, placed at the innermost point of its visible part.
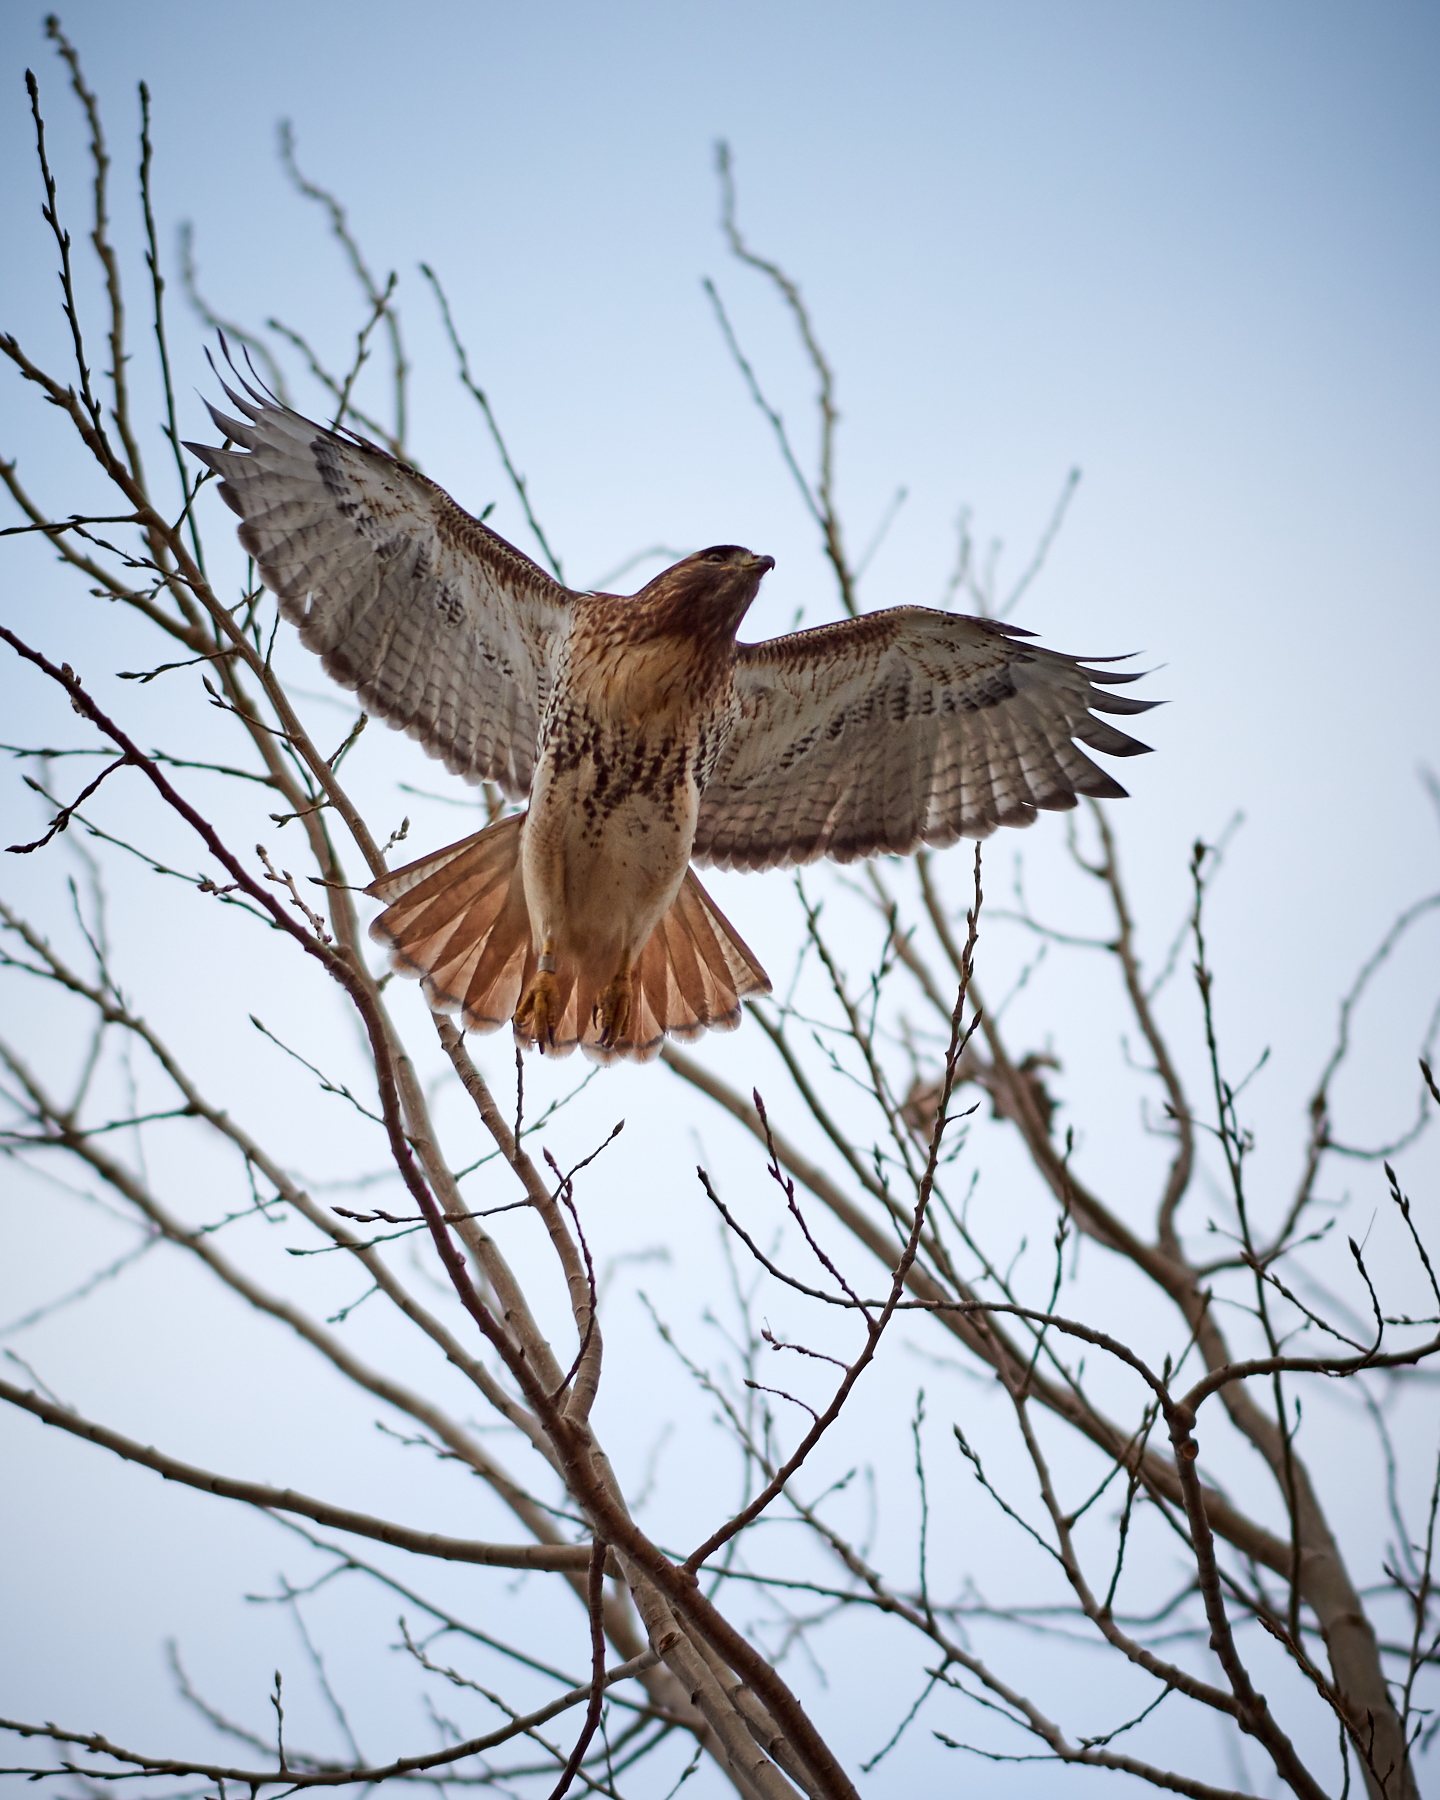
(641, 734)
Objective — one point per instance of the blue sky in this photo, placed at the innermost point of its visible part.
(1192, 250)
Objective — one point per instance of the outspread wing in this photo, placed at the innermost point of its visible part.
(441, 627)
(902, 728)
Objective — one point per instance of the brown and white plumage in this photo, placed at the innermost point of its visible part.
(641, 734)
(442, 628)
(459, 921)
(898, 729)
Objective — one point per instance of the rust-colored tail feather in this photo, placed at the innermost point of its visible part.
(458, 920)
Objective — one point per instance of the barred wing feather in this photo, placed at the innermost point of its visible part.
(443, 629)
(902, 728)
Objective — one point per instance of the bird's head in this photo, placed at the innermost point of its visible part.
(709, 591)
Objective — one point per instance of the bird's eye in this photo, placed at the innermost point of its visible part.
(714, 556)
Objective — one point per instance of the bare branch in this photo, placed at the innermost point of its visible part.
(291, 1778)
(336, 1518)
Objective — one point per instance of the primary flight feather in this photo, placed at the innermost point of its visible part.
(642, 735)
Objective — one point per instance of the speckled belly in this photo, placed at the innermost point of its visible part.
(603, 857)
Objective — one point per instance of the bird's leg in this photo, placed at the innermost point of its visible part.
(612, 1009)
(538, 1013)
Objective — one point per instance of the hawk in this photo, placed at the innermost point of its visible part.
(643, 736)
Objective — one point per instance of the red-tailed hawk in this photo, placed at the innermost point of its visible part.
(642, 735)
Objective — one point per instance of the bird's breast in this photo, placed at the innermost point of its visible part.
(644, 718)
(607, 765)
(649, 681)
(631, 732)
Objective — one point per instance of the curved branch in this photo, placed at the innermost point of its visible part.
(255, 1779)
(336, 1518)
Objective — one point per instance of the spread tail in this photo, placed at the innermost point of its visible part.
(458, 920)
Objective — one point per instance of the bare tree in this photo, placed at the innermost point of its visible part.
(848, 1215)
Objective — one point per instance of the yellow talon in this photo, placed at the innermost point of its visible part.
(538, 1013)
(612, 1011)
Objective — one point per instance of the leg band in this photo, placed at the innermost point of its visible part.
(546, 965)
